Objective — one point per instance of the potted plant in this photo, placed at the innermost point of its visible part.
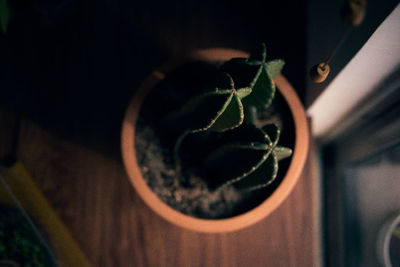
(202, 141)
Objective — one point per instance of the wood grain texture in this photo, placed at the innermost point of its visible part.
(92, 195)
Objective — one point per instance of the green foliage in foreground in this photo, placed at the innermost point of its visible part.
(19, 244)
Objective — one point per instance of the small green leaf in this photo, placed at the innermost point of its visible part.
(263, 176)
(282, 152)
(243, 92)
(231, 117)
(263, 91)
(257, 74)
(274, 67)
(4, 15)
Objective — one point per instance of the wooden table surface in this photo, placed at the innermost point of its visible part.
(92, 194)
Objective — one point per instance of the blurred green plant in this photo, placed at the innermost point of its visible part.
(19, 244)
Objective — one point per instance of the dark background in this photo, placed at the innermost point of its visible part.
(72, 65)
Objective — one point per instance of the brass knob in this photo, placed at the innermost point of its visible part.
(319, 72)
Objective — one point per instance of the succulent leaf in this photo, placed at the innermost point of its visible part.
(263, 90)
(258, 75)
(282, 152)
(219, 110)
(243, 92)
(274, 67)
(231, 117)
(263, 176)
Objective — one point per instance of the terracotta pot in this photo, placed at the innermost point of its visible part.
(294, 171)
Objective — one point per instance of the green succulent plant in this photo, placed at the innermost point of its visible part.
(232, 150)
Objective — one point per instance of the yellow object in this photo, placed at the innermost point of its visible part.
(33, 201)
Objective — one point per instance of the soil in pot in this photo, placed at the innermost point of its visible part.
(186, 190)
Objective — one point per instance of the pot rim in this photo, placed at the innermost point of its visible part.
(237, 222)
